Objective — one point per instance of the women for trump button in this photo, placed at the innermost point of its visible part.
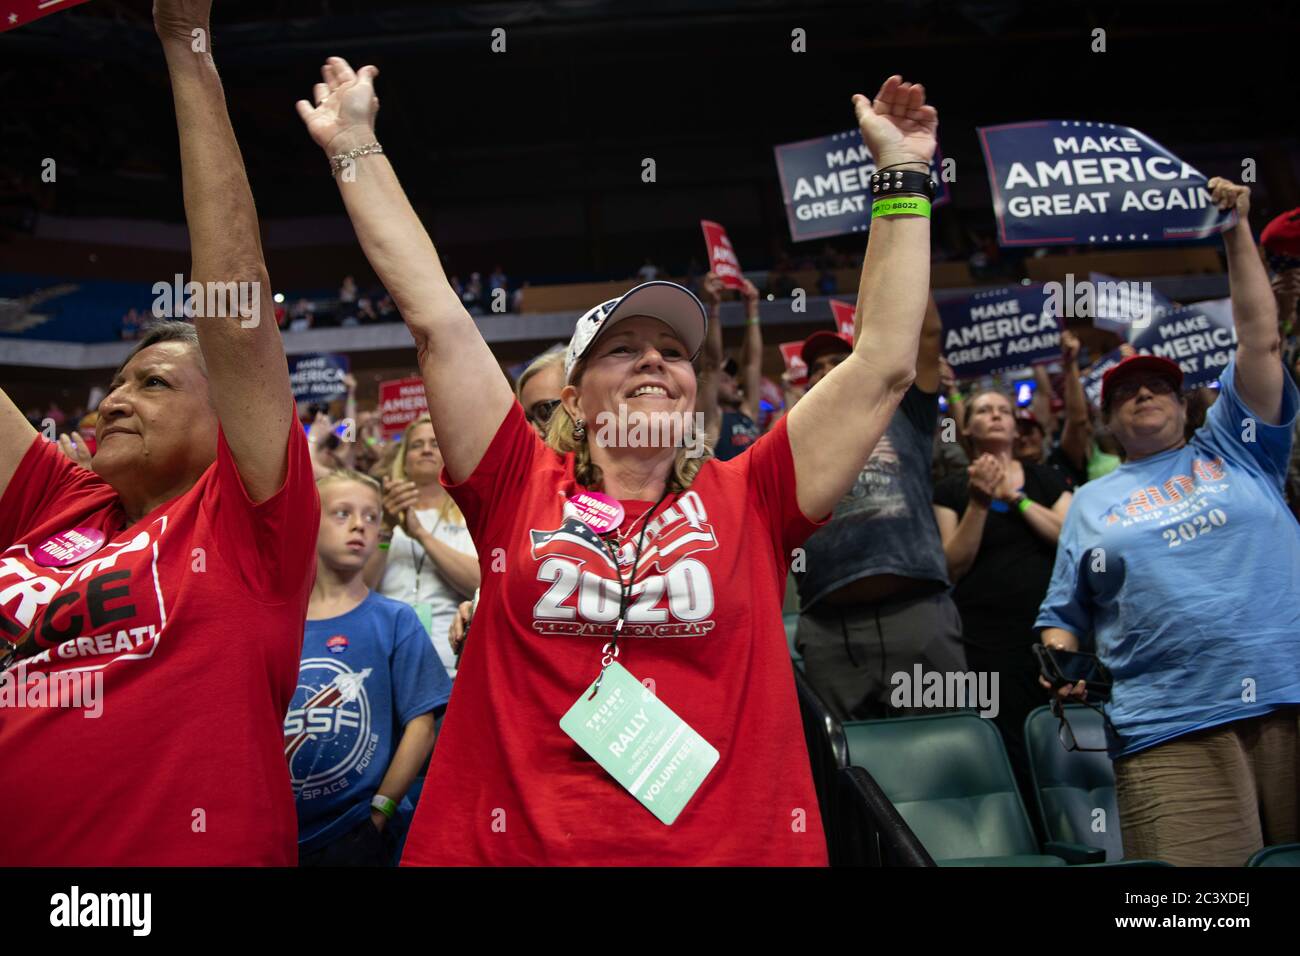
(68, 547)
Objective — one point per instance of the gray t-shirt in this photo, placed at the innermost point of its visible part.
(885, 524)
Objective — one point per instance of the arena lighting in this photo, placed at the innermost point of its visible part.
(279, 297)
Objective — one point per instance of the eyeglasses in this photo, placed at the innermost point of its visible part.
(541, 412)
(1065, 733)
(1123, 391)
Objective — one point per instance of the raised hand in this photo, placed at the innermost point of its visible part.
(898, 127)
(749, 293)
(1227, 195)
(346, 104)
(711, 290)
(1069, 347)
(74, 446)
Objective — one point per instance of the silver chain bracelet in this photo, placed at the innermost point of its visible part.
(339, 161)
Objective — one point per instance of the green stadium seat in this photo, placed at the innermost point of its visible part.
(1072, 785)
(949, 777)
(1284, 854)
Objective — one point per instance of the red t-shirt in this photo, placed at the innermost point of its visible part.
(193, 616)
(507, 786)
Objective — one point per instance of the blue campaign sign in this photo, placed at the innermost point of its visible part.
(318, 378)
(1118, 303)
(1066, 182)
(826, 185)
(997, 329)
(1091, 379)
(1201, 338)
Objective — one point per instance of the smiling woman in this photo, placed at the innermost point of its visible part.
(583, 541)
(194, 536)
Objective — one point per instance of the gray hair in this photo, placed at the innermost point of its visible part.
(170, 330)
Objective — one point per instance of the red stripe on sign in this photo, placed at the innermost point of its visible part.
(16, 13)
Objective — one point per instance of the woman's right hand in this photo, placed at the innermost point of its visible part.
(460, 626)
(346, 104)
(986, 475)
(400, 498)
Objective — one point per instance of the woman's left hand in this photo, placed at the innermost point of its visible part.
(898, 127)
(74, 446)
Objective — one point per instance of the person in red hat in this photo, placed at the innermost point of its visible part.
(627, 697)
(1181, 570)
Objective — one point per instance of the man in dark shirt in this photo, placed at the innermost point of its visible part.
(873, 585)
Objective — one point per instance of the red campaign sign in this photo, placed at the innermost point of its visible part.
(843, 312)
(15, 13)
(722, 257)
(794, 362)
(400, 403)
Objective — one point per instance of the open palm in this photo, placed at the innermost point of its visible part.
(345, 108)
(898, 127)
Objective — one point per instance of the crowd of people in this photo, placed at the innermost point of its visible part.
(482, 642)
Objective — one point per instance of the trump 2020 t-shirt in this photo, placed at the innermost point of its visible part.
(1186, 568)
(190, 622)
(364, 676)
(703, 623)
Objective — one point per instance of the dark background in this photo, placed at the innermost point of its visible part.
(532, 158)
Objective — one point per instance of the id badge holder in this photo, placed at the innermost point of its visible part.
(640, 742)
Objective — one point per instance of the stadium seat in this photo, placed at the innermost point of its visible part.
(1284, 854)
(1071, 785)
(869, 830)
(950, 779)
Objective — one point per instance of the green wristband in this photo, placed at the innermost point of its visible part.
(901, 206)
(385, 805)
(1024, 504)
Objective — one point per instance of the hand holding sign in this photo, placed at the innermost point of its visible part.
(1228, 195)
(1069, 347)
(710, 290)
(898, 127)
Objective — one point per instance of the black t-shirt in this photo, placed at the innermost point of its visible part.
(1074, 477)
(1000, 594)
(737, 433)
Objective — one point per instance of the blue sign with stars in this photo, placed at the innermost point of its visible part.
(1068, 182)
(826, 185)
(996, 329)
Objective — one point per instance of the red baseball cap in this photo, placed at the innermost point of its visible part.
(823, 342)
(1025, 415)
(1140, 363)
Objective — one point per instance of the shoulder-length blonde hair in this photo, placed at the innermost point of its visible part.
(559, 435)
(447, 511)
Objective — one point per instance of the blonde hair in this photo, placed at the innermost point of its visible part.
(554, 356)
(447, 511)
(340, 475)
(560, 436)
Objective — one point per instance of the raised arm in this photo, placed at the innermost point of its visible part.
(16, 434)
(706, 394)
(1076, 437)
(247, 372)
(928, 354)
(468, 396)
(1254, 310)
(751, 353)
(898, 128)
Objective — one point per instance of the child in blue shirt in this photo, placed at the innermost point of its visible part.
(361, 723)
